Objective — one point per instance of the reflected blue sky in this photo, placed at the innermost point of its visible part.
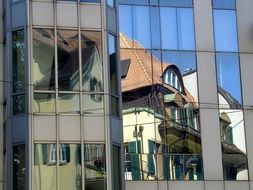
(166, 27)
(228, 74)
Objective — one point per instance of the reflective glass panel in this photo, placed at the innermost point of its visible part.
(19, 169)
(95, 166)
(70, 168)
(93, 103)
(92, 66)
(225, 30)
(126, 24)
(19, 104)
(185, 69)
(44, 166)
(68, 60)
(90, 1)
(141, 26)
(155, 28)
(68, 103)
(234, 156)
(115, 106)
(117, 168)
(224, 4)
(169, 28)
(134, 2)
(43, 59)
(43, 102)
(18, 61)
(113, 63)
(228, 78)
(177, 28)
(177, 3)
(110, 2)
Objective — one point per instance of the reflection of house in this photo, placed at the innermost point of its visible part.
(68, 67)
(160, 117)
(232, 131)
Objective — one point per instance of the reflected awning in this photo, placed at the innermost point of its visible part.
(175, 98)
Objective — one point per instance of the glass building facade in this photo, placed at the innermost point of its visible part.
(65, 121)
(168, 118)
(126, 94)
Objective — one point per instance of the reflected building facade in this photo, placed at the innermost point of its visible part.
(172, 110)
(185, 106)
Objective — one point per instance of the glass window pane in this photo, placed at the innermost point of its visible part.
(114, 106)
(224, 4)
(233, 144)
(169, 28)
(116, 168)
(153, 2)
(43, 59)
(225, 30)
(93, 103)
(90, 1)
(44, 166)
(133, 2)
(185, 29)
(185, 62)
(92, 66)
(18, 61)
(155, 29)
(177, 3)
(228, 78)
(44, 102)
(141, 26)
(95, 166)
(113, 64)
(68, 103)
(19, 169)
(110, 2)
(70, 168)
(19, 104)
(126, 24)
(68, 60)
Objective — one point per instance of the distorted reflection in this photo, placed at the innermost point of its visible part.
(45, 166)
(92, 68)
(68, 60)
(18, 61)
(43, 102)
(68, 103)
(43, 59)
(19, 169)
(93, 103)
(160, 114)
(70, 169)
(95, 166)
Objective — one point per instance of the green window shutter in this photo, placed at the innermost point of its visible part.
(135, 162)
(151, 164)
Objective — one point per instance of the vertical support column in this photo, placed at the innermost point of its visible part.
(209, 117)
(106, 96)
(247, 89)
(209, 114)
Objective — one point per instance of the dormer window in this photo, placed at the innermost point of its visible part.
(172, 79)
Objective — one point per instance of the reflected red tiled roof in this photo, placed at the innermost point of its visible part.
(141, 69)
